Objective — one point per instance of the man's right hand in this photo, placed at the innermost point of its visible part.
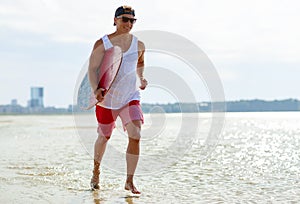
(98, 94)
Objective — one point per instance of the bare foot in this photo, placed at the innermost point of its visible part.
(95, 186)
(130, 187)
(95, 182)
(95, 179)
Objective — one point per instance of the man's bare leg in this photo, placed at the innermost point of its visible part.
(99, 149)
(132, 153)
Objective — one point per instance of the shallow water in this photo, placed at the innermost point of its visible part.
(46, 159)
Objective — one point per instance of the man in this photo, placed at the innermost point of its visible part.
(123, 97)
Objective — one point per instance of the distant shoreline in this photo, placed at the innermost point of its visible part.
(256, 105)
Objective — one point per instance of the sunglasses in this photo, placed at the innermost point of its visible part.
(126, 19)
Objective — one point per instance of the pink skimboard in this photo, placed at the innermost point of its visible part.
(107, 72)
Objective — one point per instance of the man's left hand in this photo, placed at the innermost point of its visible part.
(144, 83)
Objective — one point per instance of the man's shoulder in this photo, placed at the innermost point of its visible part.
(98, 43)
(141, 45)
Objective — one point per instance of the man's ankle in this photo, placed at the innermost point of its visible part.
(129, 179)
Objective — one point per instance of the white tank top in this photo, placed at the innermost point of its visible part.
(124, 88)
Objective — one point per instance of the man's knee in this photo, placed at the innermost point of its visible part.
(135, 134)
(134, 130)
(107, 137)
(103, 139)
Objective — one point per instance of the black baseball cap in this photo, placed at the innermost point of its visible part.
(124, 10)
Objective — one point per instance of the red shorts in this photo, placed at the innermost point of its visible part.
(106, 117)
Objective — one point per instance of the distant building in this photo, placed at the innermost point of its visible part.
(14, 102)
(37, 97)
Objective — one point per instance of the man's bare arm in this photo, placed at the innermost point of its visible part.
(141, 64)
(94, 63)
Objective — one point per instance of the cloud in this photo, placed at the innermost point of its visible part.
(30, 59)
(61, 20)
(236, 35)
(229, 29)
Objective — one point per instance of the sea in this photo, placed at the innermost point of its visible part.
(244, 157)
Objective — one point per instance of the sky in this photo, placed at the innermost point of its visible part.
(253, 44)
